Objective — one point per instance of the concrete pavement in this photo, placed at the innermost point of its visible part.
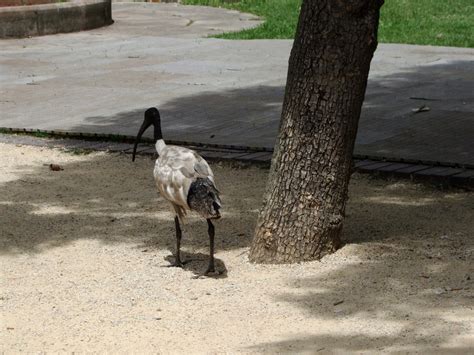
(225, 92)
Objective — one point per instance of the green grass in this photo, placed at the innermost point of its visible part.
(433, 22)
(281, 17)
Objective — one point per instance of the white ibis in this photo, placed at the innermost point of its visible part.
(185, 179)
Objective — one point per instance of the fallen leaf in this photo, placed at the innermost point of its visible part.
(422, 108)
(55, 167)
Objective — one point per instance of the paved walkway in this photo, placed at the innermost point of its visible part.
(226, 92)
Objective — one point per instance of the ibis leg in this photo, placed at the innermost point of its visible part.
(210, 231)
(177, 261)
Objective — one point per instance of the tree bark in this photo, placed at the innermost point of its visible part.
(305, 200)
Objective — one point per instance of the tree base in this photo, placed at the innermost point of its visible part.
(266, 250)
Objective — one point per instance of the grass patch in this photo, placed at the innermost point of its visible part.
(281, 17)
(40, 134)
(116, 138)
(37, 134)
(427, 22)
(434, 22)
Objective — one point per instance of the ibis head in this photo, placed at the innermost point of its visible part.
(152, 117)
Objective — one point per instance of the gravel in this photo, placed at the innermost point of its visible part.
(85, 250)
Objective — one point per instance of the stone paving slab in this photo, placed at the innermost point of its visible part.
(394, 167)
(437, 171)
(225, 92)
(465, 174)
(412, 169)
(376, 166)
(175, 20)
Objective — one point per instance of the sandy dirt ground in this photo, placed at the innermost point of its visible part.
(84, 255)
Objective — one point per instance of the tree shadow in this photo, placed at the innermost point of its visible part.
(241, 116)
(389, 128)
(106, 197)
(250, 116)
(401, 283)
(402, 274)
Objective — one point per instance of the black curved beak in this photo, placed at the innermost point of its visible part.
(142, 130)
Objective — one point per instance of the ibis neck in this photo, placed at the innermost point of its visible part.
(157, 135)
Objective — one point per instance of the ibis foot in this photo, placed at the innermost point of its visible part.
(179, 263)
(211, 271)
(208, 273)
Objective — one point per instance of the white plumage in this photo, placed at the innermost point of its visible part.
(185, 179)
(175, 170)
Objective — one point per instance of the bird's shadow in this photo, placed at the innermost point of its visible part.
(197, 263)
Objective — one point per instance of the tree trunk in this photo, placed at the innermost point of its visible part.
(306, 195)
